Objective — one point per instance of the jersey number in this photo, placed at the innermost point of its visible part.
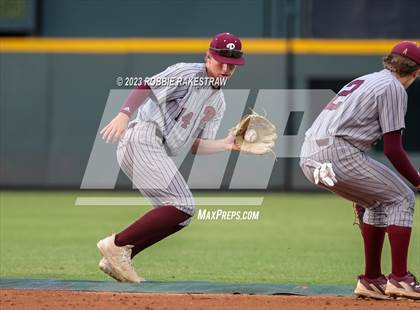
(209, 113)
(186, 120)
(352, 86)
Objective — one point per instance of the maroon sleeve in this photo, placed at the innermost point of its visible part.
(137, 96)
(396, 154)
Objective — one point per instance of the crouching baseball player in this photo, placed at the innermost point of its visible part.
(170, 115)
(334, 156)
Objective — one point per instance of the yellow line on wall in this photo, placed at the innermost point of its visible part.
(363, 47)
(117, 46)
(185, 46)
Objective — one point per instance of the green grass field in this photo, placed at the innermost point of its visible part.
(299, 238)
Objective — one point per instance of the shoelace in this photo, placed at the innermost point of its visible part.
(381, 282)
(126, 257)
(415, 284)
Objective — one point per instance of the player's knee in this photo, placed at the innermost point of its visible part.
(406, 198)
(188, 208)
(411, 201)
(186, 222)
(410, 198)
(402, 214)
(192, 211)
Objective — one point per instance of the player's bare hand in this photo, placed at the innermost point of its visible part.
(230, 144)
(112, 132)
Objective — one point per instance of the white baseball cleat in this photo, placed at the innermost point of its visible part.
(406, 286)
(106, 268)
(371, 288)
(119, 259)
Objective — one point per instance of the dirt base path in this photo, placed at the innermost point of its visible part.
(63, 300)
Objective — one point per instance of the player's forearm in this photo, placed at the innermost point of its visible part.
(396, 154)
(136, 98)
(205, 147)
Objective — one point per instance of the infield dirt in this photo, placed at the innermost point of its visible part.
(63, 300)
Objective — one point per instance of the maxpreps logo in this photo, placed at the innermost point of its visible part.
(224, 215)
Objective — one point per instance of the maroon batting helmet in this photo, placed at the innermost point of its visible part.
(409, 50)
(227, 48)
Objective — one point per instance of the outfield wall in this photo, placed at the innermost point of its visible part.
(199, 18)
(53, 94)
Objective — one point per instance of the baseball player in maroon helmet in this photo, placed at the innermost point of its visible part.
(170, 115)
(334, 156)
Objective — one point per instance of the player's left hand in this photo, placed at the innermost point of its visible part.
(230, 144)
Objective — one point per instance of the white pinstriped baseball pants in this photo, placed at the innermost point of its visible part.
(387, 199)
(143, 158)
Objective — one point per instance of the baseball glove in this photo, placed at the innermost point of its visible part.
(255, 134)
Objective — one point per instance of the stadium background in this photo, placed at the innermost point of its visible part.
(59, 59)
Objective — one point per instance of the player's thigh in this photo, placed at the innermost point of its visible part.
(142, 159)
(342, 188)
(371, 182)
(156, 176)
(169, 186)
(363, 180)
